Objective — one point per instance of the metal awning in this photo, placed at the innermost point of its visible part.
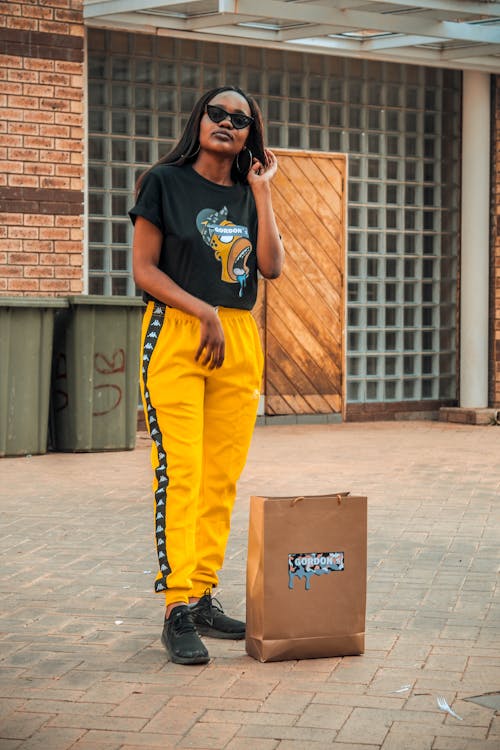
(446, 33)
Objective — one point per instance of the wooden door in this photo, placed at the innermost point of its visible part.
(302, 313)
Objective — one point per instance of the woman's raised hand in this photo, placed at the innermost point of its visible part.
(263, 173)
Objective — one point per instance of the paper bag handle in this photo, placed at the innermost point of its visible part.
(338, 495)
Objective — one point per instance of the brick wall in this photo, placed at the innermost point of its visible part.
(494, 395)
(41, 147)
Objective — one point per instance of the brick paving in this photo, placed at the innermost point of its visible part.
(82, 666)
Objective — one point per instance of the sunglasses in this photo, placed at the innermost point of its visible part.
(238, 120)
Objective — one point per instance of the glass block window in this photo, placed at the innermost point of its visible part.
(400, 126)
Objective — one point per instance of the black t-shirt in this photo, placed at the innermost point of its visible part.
(209, 234)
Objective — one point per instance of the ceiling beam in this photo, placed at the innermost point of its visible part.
(108, 7)
(475, 50)
(214, 20)
(402, 40)
(455, 8)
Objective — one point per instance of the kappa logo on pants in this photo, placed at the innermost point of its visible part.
(305, 565)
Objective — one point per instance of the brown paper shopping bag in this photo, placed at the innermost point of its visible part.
(306, 577)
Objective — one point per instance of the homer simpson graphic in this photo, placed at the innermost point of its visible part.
(230, 243)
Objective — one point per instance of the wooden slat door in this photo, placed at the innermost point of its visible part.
(302, 312)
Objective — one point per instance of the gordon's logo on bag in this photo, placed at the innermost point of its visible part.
(305, 565)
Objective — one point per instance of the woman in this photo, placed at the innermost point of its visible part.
(203, 226)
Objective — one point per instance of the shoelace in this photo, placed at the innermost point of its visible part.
(183, 623)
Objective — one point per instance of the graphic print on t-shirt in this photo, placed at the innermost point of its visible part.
(230, 243)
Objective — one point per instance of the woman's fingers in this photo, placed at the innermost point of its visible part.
(211, 350)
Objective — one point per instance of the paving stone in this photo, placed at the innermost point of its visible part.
(324, 716)
(48, 738)
(241, 743)
(287, 701)
(409, 738)
(96, 739)
(20, 725)
(208, 735)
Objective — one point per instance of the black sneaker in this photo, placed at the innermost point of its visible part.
(181, 639)
(210, 619)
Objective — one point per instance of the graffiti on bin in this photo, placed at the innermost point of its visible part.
(109, 394)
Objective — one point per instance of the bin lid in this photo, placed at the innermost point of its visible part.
(106, 301)
(30, 302)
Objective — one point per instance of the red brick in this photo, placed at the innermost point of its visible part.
(38, 220)
(23, 180)
(37, 90)
(58, 183)
(23, 154)
(30, 76)
(12, 114)
(39, 116)
(19, 259)
(41, 272)
(67, 144)
(35, 63)
(23, 233)
(61, 105)
(8, 218)
(51, 27)
(12, 271)
(67, 247)
(54, 285)
(68, 170)
(12, 140)
(68, 272)
(10, 9)
(38, 142)
(23, 285)
(9, 245)
(50, 259)
(23, 102)
(37, 168)
(13, 167)
(38, 246)
(12, 89)
(54, 233)
(68, 119)
(55, 79)
(50, 155)
(11, 61)
(68, 221)
(37, 12)
(25, 128)
(26, 24)
(72, 68)
(55, 131)
(70, 16)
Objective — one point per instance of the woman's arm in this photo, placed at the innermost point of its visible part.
(270, 252)
(148, 277)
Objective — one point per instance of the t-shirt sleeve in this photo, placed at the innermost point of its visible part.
(149, 202)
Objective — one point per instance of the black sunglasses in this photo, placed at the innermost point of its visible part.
(238, 120)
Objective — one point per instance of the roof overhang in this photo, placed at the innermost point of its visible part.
(461, 34)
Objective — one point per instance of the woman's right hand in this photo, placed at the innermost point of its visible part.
(212, 343)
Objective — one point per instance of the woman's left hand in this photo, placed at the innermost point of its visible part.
(263, 173)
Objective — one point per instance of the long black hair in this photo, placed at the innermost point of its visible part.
(188, 145)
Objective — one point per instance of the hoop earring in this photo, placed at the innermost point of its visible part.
(250, 158)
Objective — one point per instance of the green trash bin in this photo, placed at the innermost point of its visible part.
(26, 331)
(95, 374)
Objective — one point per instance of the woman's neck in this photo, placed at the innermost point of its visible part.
(215, 170)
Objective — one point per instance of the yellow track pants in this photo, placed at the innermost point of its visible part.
(201, 423)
